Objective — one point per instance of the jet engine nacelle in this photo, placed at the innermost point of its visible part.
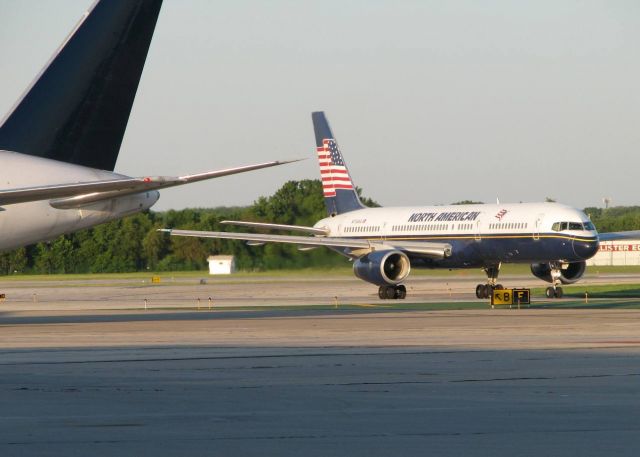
(383, 267)
(569, 273)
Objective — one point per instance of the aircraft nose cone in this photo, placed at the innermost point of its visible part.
(585, 249)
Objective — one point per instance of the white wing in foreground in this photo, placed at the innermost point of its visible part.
(73, 195)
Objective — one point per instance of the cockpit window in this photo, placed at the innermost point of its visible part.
(561, 226)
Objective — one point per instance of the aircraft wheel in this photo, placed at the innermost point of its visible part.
(559, 292)
(382, 292)
(550, 292)
(390, 292)
(498, 286)
(401, 292)
(481, 291)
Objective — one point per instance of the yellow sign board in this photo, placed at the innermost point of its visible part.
(511, 297)
(155, 279)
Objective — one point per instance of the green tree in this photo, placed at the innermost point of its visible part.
(14, 261)
(134, 244)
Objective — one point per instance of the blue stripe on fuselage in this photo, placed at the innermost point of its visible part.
(467, 251)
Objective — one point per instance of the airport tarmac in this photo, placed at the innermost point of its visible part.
(234, 291)
(315, 381)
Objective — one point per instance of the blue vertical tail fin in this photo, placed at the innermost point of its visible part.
(340, 195)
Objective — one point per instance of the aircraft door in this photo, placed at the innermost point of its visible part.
(477, 235)
(536, 228)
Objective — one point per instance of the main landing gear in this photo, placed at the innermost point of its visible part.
(555, 291)
(392, 292)
(485, 290)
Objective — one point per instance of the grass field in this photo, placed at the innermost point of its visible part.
(611, 296)
(594, 302)
(343, 271)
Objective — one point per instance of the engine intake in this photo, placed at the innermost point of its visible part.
(569, 273)
(383, 267)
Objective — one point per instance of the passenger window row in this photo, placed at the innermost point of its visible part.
(556, 227)
(362, 229)
(508, 225)
(420, 227)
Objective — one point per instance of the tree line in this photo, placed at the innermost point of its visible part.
(134, 244)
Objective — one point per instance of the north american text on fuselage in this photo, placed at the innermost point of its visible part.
(445, 216)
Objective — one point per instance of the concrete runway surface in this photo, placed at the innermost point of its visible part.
(371, 382)
(189, 293)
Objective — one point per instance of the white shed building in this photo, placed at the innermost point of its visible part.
(221, 264)
(621, 252)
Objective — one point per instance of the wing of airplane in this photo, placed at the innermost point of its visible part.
(74, 195)
(293, 228)
(356, 246)
(614, 236)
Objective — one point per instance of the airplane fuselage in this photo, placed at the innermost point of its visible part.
(480, 235)
(26, 223)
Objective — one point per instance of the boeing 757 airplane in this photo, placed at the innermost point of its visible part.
(59, 144)
(385, 243)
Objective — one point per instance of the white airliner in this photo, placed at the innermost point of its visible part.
(60, 142)
(384, 243)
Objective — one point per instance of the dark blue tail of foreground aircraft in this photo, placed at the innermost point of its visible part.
(77, 110)
(340, 195)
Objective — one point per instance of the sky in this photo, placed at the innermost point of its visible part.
(431, 102)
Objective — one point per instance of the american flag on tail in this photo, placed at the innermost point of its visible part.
(333, 171)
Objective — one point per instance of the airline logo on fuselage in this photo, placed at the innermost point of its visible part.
(444, 217)
(501, 214)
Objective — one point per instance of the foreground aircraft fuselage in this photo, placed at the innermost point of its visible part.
(26, 223)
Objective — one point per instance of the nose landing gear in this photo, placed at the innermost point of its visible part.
(555, 291)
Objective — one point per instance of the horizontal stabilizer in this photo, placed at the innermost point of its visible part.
(74, 195)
